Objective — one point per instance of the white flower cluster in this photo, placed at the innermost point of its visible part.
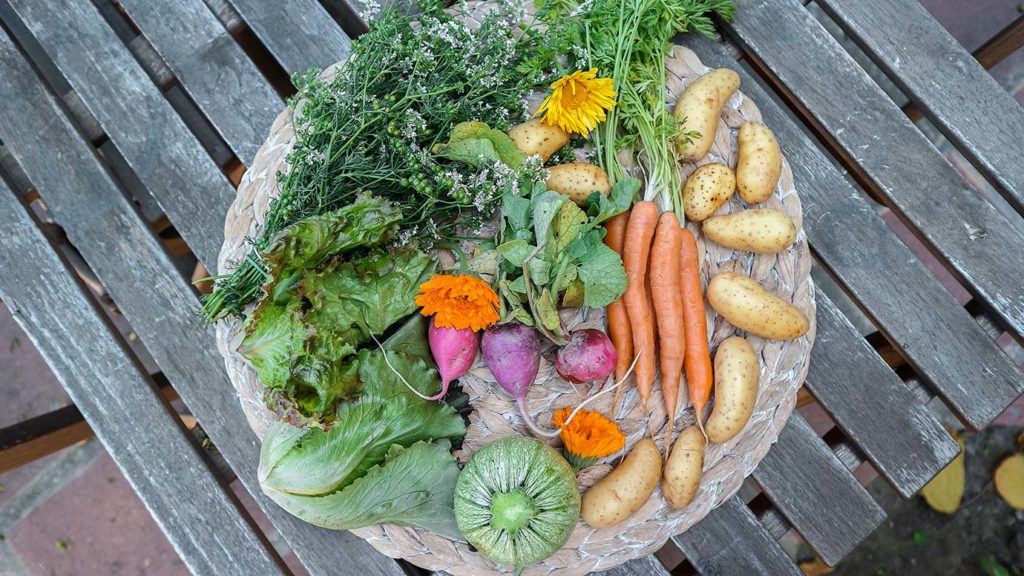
(370, 11)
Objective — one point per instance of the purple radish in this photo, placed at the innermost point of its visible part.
(588, 356)
(512, 353)
(454, 351)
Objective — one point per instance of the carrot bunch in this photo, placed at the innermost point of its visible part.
(660, 318)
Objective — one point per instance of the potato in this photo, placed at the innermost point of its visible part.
(625, 489)
(700, 107)
(578, 181)
(749, 306)
(537, 138)
(737, 371)
(759, 164)
(706, 189)
(684, 468)
(757, 230)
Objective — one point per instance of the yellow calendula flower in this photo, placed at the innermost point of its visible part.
(578, 102)
(458, 301)
(587, 437)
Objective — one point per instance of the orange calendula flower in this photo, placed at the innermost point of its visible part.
(578, 102)
(458, 301)
(588, 436)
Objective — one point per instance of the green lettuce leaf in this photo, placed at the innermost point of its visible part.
(478, 145)
(367, 295)
(386, 413)
(604, 278)
(415, 486)
(369, 221)
(274, 336)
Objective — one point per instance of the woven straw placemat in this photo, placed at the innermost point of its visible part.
(783, 367)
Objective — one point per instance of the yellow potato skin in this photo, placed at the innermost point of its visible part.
(684, 468)
(759, 163)
(578, 181)
(625, 489)
(534, 137)
(749, 306)
(756, 230)
(706, 189)
(737, 372)
(700, 107)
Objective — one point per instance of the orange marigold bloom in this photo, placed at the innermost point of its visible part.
(588, 436)
(458, 301)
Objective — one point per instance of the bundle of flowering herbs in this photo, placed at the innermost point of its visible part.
(371, 128)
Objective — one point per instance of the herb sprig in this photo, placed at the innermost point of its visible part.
(372, 128)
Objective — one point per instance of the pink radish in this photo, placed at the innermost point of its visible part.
(588, 356)
(454, 352)
(512, 353)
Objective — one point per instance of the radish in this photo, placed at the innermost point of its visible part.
(454, 351)
(588, 356)
(512, 353)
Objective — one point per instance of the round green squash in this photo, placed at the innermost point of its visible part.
(517, 501)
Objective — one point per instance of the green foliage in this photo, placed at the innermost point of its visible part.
(371, 128)
(303, 341)
(629, 41)
(385, 459)
(553, 254)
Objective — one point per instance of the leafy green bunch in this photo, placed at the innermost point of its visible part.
(629, 40)
(373, 125)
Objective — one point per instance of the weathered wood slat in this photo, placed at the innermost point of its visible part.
(816, 492)
(938, 337)
(299, 33)
(945, 81)
(211, 68)
(646, 566)
(977, 240)
(731, 541)
(906, 444)
(151, 137)
(202, 521)
(156, 299)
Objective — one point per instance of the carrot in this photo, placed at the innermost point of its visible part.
(663, 272)
(618, 320)
(635, 251)
(697, 361)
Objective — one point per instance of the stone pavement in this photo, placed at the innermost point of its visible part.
(73, 514)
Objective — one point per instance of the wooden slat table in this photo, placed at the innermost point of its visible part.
(126, 119)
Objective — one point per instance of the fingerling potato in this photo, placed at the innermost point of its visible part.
(759, 163)
(537, 138)
(625, 489)
(578, 180)
(749, 306)
(700, 107)
(756, 230)
(737, 371)
(684, 468)
(706, 189)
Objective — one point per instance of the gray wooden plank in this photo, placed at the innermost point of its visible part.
(816, 492)
(211, 68)
(159, 303)
(731, 541)
(646, 566)
(937, 336)
(151, 137)
(974, 237)
(945, 81)
(299, 33)
(900, 437)
(123, 406)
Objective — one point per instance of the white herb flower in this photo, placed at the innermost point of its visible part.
(370, 11)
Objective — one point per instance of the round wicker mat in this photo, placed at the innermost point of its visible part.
(783, 367)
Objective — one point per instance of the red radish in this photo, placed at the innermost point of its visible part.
(588, 356)
(454, 352)
(512, 353)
